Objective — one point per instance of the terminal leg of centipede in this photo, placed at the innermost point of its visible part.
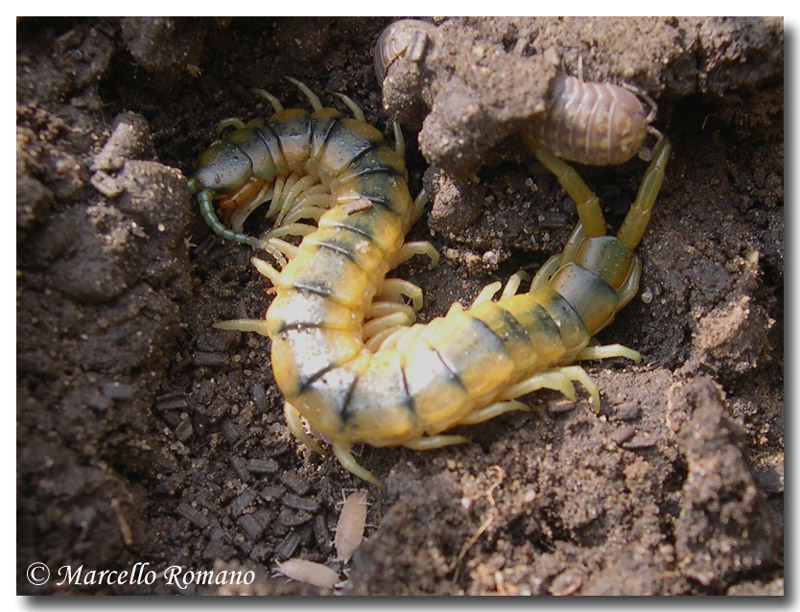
(592, 224)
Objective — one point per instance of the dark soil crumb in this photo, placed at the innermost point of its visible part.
(146, 436)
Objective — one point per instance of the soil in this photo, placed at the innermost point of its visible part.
(144, 435)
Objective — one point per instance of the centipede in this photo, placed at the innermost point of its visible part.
(346, 351)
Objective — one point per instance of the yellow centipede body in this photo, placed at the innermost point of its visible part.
(417, 381)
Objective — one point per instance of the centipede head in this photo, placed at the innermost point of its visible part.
(222, 168)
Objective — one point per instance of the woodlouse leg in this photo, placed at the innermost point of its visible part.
(492, 411)
(645, 153)
(432, 442)
(638, 216)
(557, 379)
(296, 428)
(586, 202)
(342, 452)
(651, 116)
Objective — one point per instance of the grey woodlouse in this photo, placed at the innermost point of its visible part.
(403, 38)
(595, 123)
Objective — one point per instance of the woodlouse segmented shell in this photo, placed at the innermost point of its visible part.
(592, 123)
(405, 37)
(309, 572)
(350, 528)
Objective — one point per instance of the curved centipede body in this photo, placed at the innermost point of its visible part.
(418, 380)
(594, 123)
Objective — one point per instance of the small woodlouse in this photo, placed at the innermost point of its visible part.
(595, 123)
(309, 572)
(350, 528)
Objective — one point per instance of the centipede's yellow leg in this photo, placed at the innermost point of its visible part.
(276, 104)
(545, 272)
(557, 379)
(487, 293)
(400, 145)
(513, 283)
(376, 330)
(358, 114)
(419, 247)
(493, 410)
(419, 205)
(312, 97)
(431, 442)
(586, 202)
(399, 286)
(608, 351)
(263, 268)
(296, 428)
(342, 452)
(234, 122)
(244, 325)
(639, 214)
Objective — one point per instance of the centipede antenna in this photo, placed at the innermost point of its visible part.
(212, 220)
